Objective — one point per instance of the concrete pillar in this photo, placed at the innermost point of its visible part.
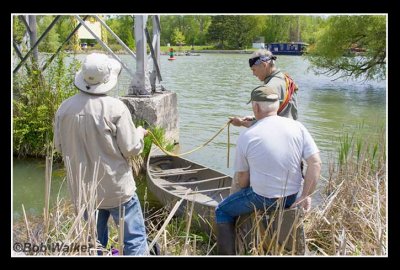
(160, 109)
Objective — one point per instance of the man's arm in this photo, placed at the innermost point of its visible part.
(246, 121)
(243, 179)
(129, 138)
(310, 181)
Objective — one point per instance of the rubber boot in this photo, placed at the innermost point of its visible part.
(226, 239)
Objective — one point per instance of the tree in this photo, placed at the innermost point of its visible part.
(242, 30)
(340, 41)
(18, 29)
(122, 26)
(277, 28)
(203, 22)
(51, 42)
(218, 30)
(177, 37)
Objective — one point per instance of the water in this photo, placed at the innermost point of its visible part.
(212, 87)
(28, 186)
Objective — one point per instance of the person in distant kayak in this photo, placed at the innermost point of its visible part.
(263, 65)
(267, 165)
(96, 136)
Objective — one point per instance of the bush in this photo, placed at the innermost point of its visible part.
(37, 96)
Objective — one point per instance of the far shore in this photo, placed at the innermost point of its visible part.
(165, 53)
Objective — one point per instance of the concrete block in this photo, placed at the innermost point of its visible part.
(159, 109)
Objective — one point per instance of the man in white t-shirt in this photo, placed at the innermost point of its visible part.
(267, 164)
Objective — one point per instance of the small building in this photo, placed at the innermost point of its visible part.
(287, 48)
(85, 37)
(258, 43)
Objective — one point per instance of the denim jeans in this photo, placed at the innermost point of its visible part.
(244, 201)
(135, 239)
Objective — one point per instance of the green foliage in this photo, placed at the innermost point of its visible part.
(218, 30)
(36, 100)
(351, 46)
(18, 29)
(51, 42)
(159, 133)
(64, 27)
(243, 30)
(177, 37)
(122, 26)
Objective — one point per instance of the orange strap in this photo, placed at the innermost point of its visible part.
(291, 87)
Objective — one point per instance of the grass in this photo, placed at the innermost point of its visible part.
(186, 48)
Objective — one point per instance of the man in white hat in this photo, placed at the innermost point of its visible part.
(96, 135)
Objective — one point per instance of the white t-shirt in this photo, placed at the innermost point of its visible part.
(272, 150)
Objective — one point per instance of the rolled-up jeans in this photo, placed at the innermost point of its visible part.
(135, 239)
(246, 201)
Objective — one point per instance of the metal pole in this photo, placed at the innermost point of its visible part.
(33, 37)
(22, 18)
(152, 54)
(156, 40)
(138, 85)
(104, 45)
(37, 43)
(15, 45)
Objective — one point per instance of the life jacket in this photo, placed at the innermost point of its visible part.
(291, 88)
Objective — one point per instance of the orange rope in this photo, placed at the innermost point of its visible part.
(291, 87)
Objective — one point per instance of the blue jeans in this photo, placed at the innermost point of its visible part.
(244, 201)
(135, 239)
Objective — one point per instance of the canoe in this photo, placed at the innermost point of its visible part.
(171, 58)
(169, 178)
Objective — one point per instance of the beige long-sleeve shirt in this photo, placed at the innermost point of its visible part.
(92, 128)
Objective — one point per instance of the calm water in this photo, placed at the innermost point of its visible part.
(212, 87)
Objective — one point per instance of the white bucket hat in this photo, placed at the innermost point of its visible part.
(98, 75)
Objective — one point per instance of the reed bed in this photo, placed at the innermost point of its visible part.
(352, 220)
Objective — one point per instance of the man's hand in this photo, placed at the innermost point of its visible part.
(141, 129)
(305, 203)
(236, 121)
(241, 121)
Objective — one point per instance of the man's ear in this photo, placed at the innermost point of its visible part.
(256, 108)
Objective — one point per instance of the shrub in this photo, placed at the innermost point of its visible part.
(37, 96)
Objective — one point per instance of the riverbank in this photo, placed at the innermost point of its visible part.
(166, 52)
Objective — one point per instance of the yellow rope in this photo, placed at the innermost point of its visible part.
(156, 142)
(229, 143)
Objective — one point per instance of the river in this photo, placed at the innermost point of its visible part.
(212, 87)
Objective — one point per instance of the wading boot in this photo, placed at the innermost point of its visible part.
(226, 239)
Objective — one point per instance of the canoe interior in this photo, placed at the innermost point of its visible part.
(169, 178)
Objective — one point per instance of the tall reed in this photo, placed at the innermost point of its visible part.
(352, 219)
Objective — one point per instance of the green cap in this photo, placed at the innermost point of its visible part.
(264, 93)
